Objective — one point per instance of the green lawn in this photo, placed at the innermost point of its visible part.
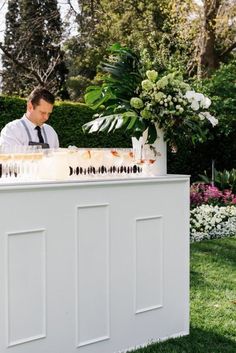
(213, 301)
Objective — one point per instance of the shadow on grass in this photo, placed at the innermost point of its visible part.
(217, 253)
(199, 341)
(221, 250)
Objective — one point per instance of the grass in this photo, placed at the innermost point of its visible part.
(213, 301)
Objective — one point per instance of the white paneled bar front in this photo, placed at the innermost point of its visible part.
(93, 267)
(149, 264)
(92, 274)
(26, 286)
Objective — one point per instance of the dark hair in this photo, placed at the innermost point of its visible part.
(40, 93)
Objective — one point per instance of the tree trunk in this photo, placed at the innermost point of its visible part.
(209, 59)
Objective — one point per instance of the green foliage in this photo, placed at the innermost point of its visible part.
(221, 144)
(134, 102)
(225, 180)
(76, 86)
(222, 88)
(32, 53)
(12, 40)
(135, 24)
(120, 77)
(175, 34)
(67, 119)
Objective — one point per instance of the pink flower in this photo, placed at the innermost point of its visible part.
(201, 193)
(212, 192)
(234, 200)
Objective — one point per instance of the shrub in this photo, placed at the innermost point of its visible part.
(223, 180)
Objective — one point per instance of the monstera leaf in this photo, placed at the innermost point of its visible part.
(97, 96)
(128, 121)
(120, 78)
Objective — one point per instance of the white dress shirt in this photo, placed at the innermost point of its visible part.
(15, 134)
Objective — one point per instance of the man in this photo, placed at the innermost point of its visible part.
(31, 128)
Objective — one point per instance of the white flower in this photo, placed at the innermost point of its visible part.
(189, 95)
(199, 97)
(208, 116)
(207, 221)
(195, 105)
(194, 96)
(205, 103)
(197, 100)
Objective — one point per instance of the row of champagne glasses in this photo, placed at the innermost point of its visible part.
(108, 162)
(31, 162)
(19, 162)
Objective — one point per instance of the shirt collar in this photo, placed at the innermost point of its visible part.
(30, 124)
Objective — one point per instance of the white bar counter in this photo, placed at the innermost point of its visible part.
(93, 267)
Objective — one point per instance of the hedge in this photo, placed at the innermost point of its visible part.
(67, 119)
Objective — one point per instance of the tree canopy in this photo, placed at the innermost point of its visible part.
(32, 47)
(193, 36)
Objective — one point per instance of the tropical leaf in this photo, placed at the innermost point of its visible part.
(112, 125)
(102, 124)
(132, 122)
(152, 134)
(205, 178)
(95, 97)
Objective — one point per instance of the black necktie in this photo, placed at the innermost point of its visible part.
(38, 128)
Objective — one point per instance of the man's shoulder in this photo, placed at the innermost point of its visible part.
(48, 128)
(13, 123)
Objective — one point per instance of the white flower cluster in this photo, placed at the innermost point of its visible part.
(169, 97)
(208, 221)
(198, 101)
(225, 229)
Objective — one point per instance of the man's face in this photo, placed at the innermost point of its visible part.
(40, 113)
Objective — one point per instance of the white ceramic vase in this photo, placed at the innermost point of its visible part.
(159, 147)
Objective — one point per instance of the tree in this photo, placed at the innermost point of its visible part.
(101, 23)
(32, 47)
(194, 36)
(206, 30)
(11, 74)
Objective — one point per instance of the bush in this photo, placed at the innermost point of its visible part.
(221, 144)
(223, 180)
(67, 119)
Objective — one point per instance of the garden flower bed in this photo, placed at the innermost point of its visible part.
(213, 213)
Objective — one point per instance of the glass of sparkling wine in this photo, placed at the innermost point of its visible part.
(5, 162)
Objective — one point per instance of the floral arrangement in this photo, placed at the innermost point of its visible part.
(136, 100)
(208, 222)
(201, 193)
(173, 105)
